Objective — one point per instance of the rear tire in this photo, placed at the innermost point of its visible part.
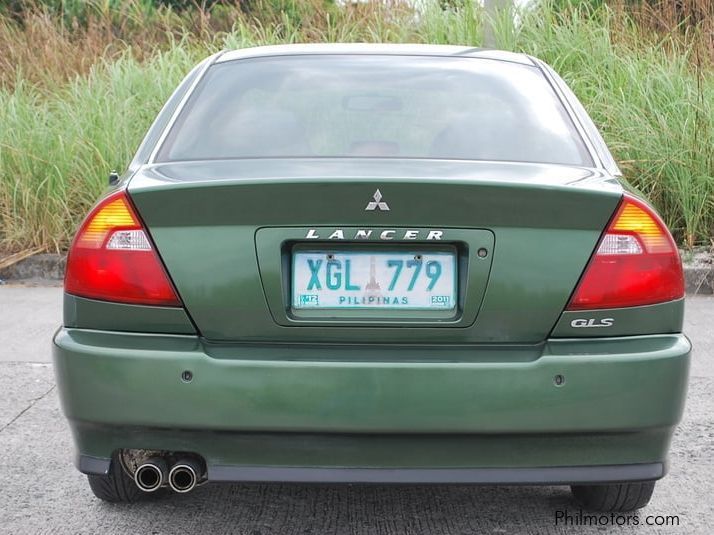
(621, 497)
(116, 486)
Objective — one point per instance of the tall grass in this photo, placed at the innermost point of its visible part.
(64, 129)
(653, 98)
(56, 151)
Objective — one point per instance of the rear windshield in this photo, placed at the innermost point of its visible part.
(374, 106)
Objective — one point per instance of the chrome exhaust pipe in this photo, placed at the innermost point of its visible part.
(151, 475)
(184, 475)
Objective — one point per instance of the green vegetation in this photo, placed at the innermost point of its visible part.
(76, 97)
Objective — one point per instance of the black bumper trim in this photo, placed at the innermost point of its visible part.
(92, 465)
(556, 475)
(514, 476)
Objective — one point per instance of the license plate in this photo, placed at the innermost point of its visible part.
(402, 280)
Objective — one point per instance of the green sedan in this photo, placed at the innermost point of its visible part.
(373, 264)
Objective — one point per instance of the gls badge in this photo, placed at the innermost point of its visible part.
(592, 322)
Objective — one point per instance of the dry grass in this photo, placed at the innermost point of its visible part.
(691, 19)
(44, 50)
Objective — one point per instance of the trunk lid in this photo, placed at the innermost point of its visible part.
(226, 231)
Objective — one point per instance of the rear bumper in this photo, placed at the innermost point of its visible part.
(379, 414)
(547, 475)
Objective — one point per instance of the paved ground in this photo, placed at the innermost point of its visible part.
(40, 492)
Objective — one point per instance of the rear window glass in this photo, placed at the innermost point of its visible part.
(374, 106)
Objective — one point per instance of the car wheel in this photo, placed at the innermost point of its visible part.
(620, 497)
(116, 486)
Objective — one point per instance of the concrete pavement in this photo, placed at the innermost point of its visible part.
(29, 315)
(41, 492)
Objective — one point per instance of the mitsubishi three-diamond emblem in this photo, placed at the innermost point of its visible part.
(377, 203)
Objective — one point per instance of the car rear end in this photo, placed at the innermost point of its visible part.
(362, 317)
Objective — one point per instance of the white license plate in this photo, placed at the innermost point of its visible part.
(383, 280)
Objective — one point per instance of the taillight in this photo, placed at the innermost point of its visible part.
(636, 263)
(113, 259)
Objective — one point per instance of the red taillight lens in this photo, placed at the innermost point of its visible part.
(112, 258)
(636, 263)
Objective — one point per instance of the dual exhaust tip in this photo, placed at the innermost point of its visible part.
(154, 473)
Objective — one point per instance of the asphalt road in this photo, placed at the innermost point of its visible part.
(41, 492)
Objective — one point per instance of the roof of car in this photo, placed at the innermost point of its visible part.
(374, 49)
